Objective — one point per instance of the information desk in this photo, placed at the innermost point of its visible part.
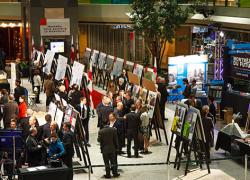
(238, 102)
(45, 173)
(4, 84)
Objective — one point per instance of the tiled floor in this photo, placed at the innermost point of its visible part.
(226, 169)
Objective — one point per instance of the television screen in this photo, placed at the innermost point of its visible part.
(57, 47)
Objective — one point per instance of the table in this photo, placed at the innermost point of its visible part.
(62, 173)
(4, 84)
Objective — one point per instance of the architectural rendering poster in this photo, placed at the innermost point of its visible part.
(151, 102)
(149, 74)
(59, 118)
(61, 67)
(94, 57)
(189, 125)
(52, 110)
(102, 60)
(135, 90)
(138, 70)
(86, 56)
(191, 67)
(77, 73)
(68, 113)
(49, 56)
(109, 63)
(73, 119)
(117, 68)
(179, 118)
(129, 66)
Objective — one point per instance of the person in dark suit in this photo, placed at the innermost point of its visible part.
(98, 111)
(164, 95)
(33, 149)
(192, 101)
(10, 111)
(212, 108)
(187, 91)
(108, 139)
(84, 111)
(75, 96)
(119, 110)
(105, 111)
(132, 121)
(18, 91)
(208, 127)
(128, 102)
(46, 127)
(119, 125)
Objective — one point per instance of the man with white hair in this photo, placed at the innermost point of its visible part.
(105, 111)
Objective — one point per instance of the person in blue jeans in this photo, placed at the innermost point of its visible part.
(56, 148)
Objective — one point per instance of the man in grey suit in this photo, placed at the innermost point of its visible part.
(108, 139)
(10, 111)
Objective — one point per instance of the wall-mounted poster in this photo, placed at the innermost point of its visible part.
(109, 63)
(189, 125)
(102, 60)
(49, 56)
(138, 70)
(59, 118)
(179, 118)
(152, 96)
(52, 110)
(61, 67)
(94, 57)
(117, 68)
(78, 70)
(129, 66)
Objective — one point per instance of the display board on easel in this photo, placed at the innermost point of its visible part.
(133, 78)
(149, 85)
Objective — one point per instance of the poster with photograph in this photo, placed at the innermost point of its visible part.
(86, 55)
(151, 102)
(118, 66)
(102, 60)
(138, 70)
(61, 67)
(59, 118)
(78, 70)
(129, 66)
(109, 63)
(189, 125)
(94, 57)
(73, 119)
(196, 71)
(143, 94)
(135, 91)
(149, 74)
(68, 113)
(52, 110)
(49, 57)
(179, 119)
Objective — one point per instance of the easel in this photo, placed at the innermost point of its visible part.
(177, 132)
(198, 139)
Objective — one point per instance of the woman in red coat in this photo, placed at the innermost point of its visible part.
(22, 107)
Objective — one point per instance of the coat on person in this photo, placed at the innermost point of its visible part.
(10, 111)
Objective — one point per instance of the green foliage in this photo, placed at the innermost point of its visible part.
(158, 21)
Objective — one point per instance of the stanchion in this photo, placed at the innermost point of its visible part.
(246, 166)
(89, 171)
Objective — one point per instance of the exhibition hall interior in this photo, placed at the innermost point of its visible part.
(124, 89)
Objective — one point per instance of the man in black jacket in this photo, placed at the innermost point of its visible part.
(128, 102)
(18, 91)
(105, 111)
(108, 139)
(67, 141)
(132, 121)
(84, 111)
(75, 96)
(33, 149)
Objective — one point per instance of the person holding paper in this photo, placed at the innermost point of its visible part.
(56, 149)
(33, 149)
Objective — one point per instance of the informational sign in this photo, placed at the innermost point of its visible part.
(86, 55)
(52, 110)
(241, 66)
(117, 68)
(189, 125)
(55, 27)
(13, 77)
(129, 66)
(133, 78)
(59, 118)
(94, 57)
(61, 67)
(102, 60)
(109, 63)
(49, 56)
(77, 73)
(179, 118)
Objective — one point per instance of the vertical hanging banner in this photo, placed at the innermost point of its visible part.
(77, 73)
(13, 77)
(49, 56)
(61, 67)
